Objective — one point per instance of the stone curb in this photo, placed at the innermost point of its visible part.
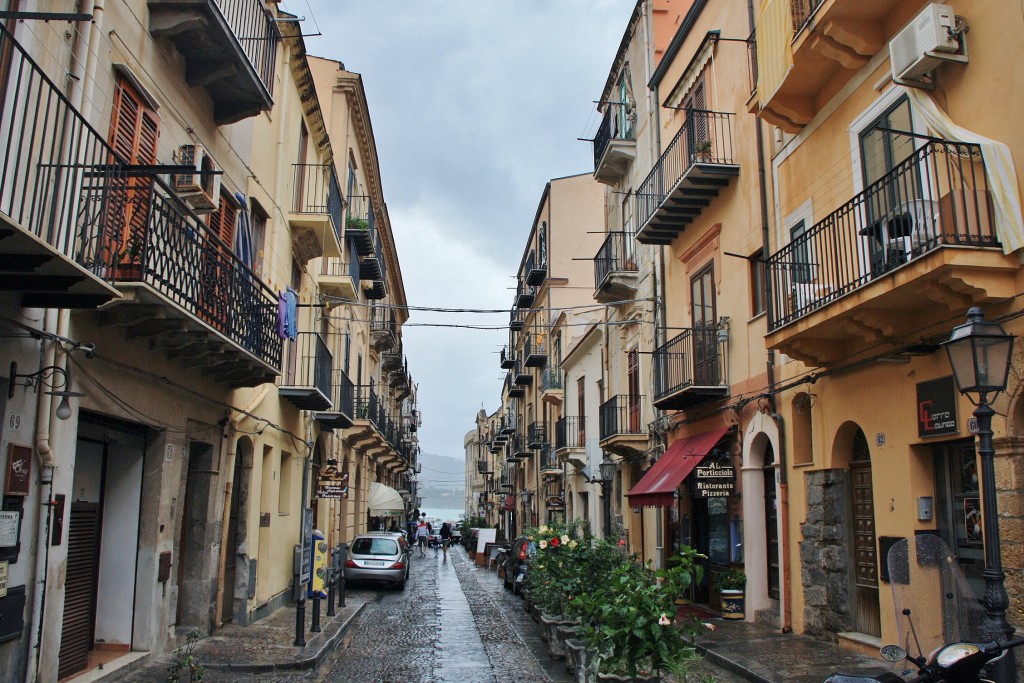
(729, 664)
(309, 657)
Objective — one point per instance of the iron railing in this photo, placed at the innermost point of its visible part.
(937, 197)
(536, 434)
(525, 294)
(347, 265)
(517, 318)
(802, 11)
(382, 319)
(256, 31)
(618, 123)
(694, 358)
(359, 224)
(61, 181)
(313, 364)
(551, 378)
(548, 459)
(705, 138)
(316, 190)
(621, 415)
(343, 394)
(617, 254)
(570, 432)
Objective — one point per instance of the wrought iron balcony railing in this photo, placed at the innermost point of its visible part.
(690, 369)
(802, 11)
(307, 379)
(703, 142)
(616, 124)
(255, 31)
(937, 197)
(383, 327)
(551, 378)
(535, 347)
(621, 415)
(617, 254)
(508, 358)
(525, 295)
(317, 192)
(570, 432)
(517, 319)
(536, 434)
(549, 461)
(536, 269)
(359, 224)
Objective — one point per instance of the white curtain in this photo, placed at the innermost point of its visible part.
(999, 169)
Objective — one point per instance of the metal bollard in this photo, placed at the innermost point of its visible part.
(315, 627)
(332, 577)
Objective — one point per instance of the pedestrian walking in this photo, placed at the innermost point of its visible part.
(422, 534)
(446, 537)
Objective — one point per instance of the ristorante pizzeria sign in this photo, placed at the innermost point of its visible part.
(714, 480)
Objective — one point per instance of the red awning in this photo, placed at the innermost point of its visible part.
(655, 488)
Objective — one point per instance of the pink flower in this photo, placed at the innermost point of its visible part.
(622, 541)
(664, 621)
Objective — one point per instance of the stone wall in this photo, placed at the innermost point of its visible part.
(825, 554)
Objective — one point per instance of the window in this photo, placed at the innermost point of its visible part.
(259, 237)
(800, 254)
(803, 445)
(633, 382)
(757, 279)
(705, 327)
(284, 496)
(134, 132)
(581, 410)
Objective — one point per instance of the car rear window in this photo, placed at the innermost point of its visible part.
(374, 546)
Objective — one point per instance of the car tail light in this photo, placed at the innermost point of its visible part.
(398, 565)
(351, 563)
(522, 552)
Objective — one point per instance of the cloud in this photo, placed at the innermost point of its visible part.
(475, 105)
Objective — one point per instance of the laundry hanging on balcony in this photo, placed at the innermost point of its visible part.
(243, 232)
(999, 169)
(287, 314)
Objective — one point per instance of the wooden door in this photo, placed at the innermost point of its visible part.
(633, 374)
(866, 612)
(78, 627)
(771, 523)
(218, 266)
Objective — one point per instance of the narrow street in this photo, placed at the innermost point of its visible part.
(453, 623)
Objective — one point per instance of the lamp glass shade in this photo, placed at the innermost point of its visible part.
(607, 470)
(979, 353)
(526, 495)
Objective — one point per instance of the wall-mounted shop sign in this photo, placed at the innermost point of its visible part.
(332, 485)
(714, 480)
(936, 407)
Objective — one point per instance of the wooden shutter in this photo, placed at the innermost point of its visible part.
(217, 265)
(134, 134)
(633, 380)
(77, 629)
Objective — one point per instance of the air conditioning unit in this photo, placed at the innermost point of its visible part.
(911, 52)
(200, 189)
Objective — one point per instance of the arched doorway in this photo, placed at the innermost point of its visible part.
(866, 614)
(236, 565)
(771, 522)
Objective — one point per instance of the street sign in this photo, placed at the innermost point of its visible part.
(307, 545)
(714, 480)
(9, 520)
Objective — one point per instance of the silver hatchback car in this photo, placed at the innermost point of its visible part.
(378, 556)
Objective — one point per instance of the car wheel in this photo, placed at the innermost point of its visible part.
(401, 585)
(505, 582)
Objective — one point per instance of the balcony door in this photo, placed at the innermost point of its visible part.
(883, 149)
(702, 310)
(633, 400)
(695, 105)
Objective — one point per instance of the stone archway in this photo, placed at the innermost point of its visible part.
(760, 439)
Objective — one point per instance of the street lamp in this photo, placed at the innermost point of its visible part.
(979, 353)
(527, 496)
(607, 474)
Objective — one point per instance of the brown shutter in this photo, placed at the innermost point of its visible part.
(77, 632)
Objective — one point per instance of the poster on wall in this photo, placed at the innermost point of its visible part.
(19, 470)
(936, 407)
(973, 521)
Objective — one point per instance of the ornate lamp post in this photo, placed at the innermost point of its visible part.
(979, 353)
(607, 474)
(527, 496)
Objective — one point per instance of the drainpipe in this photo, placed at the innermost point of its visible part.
(232, 448)
(787, 597)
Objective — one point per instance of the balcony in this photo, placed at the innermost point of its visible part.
(359, 224)
(518, 449)
(521, 376)
(306, 382)
(315, 214)
(807, 50)
(614, 144)
(517, 319)
(508, 359)
(373, 431)
(513, 390)
(690, 369)
(383, 328)
(906, 255)
(621, 425)
(551, 385)
(695, 166)
(525, 295)
(536, 269)
(571, 439)
(339, 277)
(615, 268)
(373, 271)
(392, 359)
(549, 464)
(342, 410)
(229, 48)
(535, 347)
(536, 435)
(54, 199)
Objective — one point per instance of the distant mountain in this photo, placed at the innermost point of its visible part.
(441, 471)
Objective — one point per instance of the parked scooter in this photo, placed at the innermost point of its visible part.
(937, 613)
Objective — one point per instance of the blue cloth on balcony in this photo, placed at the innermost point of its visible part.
(291, 326)
(282, 315)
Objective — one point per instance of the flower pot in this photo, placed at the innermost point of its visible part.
(732, 603)
(577, 657)
(616, 678)
(551, 623)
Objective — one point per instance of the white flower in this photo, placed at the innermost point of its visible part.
(573, 543)
(543, 544)
(708, 626)
(543, 529)
(664, 621)
(565, 538)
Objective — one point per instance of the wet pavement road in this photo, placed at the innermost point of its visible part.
(453, 623)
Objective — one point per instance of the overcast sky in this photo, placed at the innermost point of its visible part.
(475, 105)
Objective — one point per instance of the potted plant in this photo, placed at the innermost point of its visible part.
(731, 585)
(702, 152)
(360, 224)
(129, 258)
